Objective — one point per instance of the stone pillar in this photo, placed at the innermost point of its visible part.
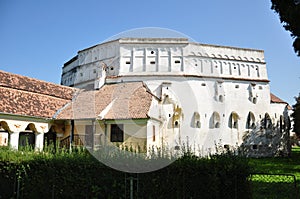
(14, 140)
(39, 141)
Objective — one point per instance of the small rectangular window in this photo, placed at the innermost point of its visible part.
(116, 133)
(177, 61)
(127, 62)
(88, 135)
(152, 62)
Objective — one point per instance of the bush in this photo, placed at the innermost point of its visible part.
(78, 175)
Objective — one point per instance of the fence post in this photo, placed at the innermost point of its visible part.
(295, 184)
(131, 179)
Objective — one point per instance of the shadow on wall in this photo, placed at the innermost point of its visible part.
(266, 139)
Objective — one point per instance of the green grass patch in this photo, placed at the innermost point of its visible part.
(278, 165)
(273, 184)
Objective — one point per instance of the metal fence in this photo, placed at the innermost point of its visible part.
(281, 186)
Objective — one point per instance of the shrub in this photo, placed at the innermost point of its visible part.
(78, 174)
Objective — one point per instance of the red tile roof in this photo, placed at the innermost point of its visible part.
(112, 101)
(275, 99)
(31, 97)
(23, 83)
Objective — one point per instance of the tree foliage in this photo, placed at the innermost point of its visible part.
(289, 15)
(296, 116)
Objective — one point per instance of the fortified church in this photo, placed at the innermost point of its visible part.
(150, 92)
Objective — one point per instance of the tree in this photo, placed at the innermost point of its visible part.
(296, 116)
(289, 15)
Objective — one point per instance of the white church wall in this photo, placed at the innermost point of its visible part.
(207, 82)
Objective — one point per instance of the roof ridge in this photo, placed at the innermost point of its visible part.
(42, 94)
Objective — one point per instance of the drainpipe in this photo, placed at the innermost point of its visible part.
(105, 132)
(93, 133)
(72, 134)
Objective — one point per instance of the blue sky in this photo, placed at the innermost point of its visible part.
(37, 37)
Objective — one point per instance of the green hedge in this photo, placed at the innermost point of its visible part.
(79, 175)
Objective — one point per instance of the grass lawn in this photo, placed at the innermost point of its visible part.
(278, 165)
(277, 186)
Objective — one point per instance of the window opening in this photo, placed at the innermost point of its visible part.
(233, 120)
(116, 133)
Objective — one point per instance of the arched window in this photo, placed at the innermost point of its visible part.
(50, 138)
(196, 120)
(219, 91)
(267, 122)
(215, 120)
(27, 137)
(254, 100)
(233, 120)
(176, 117)
(253, 95)
(250, 121)
(4, 134)
(281, 123)
(221, 98)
